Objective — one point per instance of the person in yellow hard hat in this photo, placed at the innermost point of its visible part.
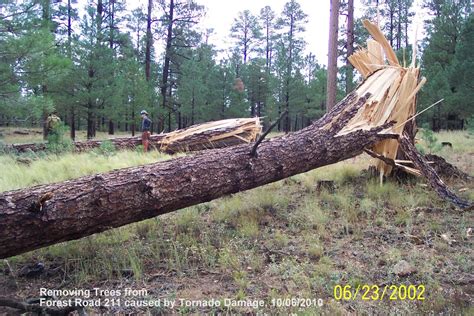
(146, 126)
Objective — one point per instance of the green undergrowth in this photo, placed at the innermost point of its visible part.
(284, 240)
(35, 135)
(21, 172)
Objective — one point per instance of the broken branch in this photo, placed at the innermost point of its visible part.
(430, 174)
(253, 153)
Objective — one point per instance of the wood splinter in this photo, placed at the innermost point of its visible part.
(42, 200)
(363, 119)
(253, 152)
(393, 163)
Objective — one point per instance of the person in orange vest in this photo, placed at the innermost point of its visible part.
(146, 126)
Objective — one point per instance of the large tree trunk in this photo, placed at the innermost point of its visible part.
(364, 120)
(332, 55)
(48, 214)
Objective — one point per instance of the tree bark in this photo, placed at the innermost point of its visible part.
(350, 46)
(73, 125)
(166, 64)
(91, 120)
(391, 27)
(332, 55)
(149, 42)
(406, 20)
(446, 170)
(111, 127)
(287, 125)
(47, 214)
(69, 54)
(430, 174)
(112, 27)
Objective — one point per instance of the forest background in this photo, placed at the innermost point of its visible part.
(98, 63)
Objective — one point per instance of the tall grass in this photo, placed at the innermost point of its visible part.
(35, 135)
(282, 233)
(53, 168)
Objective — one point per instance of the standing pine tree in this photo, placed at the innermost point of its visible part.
(178, 18)
(440, 48)
(291, 25)
(332, 55)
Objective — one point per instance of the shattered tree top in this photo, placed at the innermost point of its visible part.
(392, 88)
(209, 134)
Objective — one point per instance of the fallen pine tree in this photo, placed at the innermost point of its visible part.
(47, 214)
(215, 134)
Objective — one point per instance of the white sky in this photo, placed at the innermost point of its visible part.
(220, 15)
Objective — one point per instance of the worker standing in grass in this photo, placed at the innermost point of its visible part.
(146, 125)
(52, 123)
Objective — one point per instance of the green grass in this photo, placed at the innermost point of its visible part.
(461, 141)
(55, 168)
(463, 144)
(35, 135)
(281, 240)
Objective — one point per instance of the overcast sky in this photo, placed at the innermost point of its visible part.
(221, 13)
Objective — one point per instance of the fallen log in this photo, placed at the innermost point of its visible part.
(215, 134)
(47, 214)
(364, 120)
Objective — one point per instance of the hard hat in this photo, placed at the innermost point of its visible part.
(143, 112)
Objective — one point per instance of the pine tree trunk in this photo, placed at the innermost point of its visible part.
(391, 26)
(332, 56)
(192, 107)
(48, 214)
(406, 24)
(245, 46)
(169, 108)
(90, 123)
(166, 65)
(44, 125)
(73, 125)
(149, 42)
(287, 125)
(111, 127)
(399, 25)
(350, 45)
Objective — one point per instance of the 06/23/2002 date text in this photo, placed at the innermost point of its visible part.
(368, 292)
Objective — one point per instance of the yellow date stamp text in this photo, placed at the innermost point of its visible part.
(368, 292)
